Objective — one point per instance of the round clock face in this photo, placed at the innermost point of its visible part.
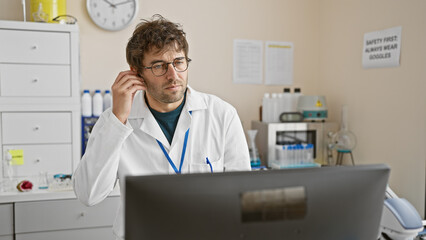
(112, 15)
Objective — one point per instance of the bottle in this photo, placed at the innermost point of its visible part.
(286, 100)
(310, 153)
(265, 107)
(98, 103)
(86, 104)
(280, 103)
(295, 99)
(273, 115)
(107, 100)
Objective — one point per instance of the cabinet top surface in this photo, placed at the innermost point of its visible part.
(38, 26)
(41, 195)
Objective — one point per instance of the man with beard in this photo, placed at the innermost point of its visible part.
(157, 123)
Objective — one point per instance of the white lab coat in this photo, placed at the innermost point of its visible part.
(118, 150)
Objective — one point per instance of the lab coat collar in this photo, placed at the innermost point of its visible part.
(194, 102)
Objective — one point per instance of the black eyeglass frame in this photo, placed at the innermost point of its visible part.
(188, 60)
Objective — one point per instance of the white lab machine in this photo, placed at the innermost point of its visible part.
(313, 108)
(400, 220)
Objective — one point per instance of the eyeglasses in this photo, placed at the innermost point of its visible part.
(160, 68)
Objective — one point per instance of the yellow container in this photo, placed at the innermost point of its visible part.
(46, 10)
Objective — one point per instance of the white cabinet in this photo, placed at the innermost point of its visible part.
(26, 80)
(6, 221)
(39, 97)
(40, 115)
(29, 43)
(103, 233)
(65, 219)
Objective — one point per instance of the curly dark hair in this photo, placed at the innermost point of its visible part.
(158, 33)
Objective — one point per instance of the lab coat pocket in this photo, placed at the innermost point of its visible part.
(214, 165)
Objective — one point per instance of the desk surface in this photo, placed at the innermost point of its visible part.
(41, 195)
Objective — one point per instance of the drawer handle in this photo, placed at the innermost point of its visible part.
(35, 80)
(82, 214)
(34, 47)
(38, 160)
(36, 128)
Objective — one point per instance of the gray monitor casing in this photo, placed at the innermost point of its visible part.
(340, 203)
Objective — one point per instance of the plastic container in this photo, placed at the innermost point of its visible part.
(274, 113)
(46, 10)
(286, 101)
(107, 100)
(98, 103)
(295, 99)
(86, 104)
(266, 105)
(309, 153)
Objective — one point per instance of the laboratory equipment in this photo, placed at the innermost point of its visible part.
(87, 124)
(275, 104)
(86, 104)
(254, 154)
(400, 220)
(291, 117)
(294, 156)
(266, 108)
(107, 100)
(43, 182)
(24, 186)
(39, 15)
(271, 134)
(286, 101)
(98, 103)
(313, 108)
(255, 205)
(297, 94)
(8, 183)
(46, 10)
(344, 141)
(61, 182)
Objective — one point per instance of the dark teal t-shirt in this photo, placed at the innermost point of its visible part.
(168, 121)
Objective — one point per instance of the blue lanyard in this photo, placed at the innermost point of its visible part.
(182, 156)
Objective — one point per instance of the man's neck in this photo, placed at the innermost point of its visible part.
(160, 106)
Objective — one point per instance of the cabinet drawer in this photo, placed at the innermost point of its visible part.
(18, 46)
(6, 219)
(63, 214)
(33, 128)
(53, 159)
(6, 237)
(23, 80)
(104, 233)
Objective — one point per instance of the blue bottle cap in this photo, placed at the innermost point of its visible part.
(107, 91)
(86, 91)
(97, 91)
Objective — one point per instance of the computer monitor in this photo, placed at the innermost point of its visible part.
(333, 203)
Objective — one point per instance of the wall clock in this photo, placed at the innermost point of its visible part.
(112, 15)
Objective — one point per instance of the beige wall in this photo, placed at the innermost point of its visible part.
(386, 106)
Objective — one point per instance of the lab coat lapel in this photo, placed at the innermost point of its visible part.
(149, 125)
(194, 102)
(183, 125)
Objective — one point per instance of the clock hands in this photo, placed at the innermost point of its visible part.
(111, 4)
(115, 5)
(123, 3)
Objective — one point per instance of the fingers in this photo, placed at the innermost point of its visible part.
(124, 76)
(128, 81)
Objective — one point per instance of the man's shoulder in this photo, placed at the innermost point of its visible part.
(214, 102)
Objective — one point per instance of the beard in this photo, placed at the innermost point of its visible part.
(163, 94)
